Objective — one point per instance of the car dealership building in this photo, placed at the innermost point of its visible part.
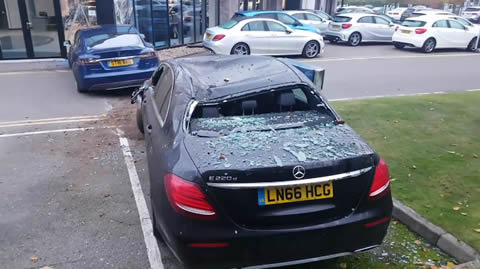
(38, 28)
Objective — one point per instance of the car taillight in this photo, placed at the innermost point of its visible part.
(395, 13)
(149, 54)
(218, 37)
(187, 198)
(83, 61)
(346, 25)
(420, 31)
(381, 181)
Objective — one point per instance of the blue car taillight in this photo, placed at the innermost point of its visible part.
(148, 54)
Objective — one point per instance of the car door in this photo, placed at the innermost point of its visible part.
(459, 34)
(384, 29)
(283, 40)
(367, 28)
(442, 34)
(156, 106)
(257, 37)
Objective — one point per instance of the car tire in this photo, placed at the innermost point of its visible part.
(398, 46)
(240, 49)
(139, 117)
(429, 45)
(471, 45)
(311, 49)
(355, 39)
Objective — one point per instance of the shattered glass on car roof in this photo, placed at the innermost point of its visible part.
(248, 147)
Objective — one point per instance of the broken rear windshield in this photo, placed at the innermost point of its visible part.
(267, 112)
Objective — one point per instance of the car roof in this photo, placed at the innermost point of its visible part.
(213, 77)
(257, 12)
(428, 18)
(109, 28)
(434, 11)
(355, 15)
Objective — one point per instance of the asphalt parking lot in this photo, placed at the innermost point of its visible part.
(68, 189)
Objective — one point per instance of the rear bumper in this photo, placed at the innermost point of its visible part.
(113, 80)
(408, 40)
(335, 36)
(217, 47)
(273, 248)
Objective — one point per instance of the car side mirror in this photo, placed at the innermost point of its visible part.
(297, 24)
(67, 43)
(288, 31)
(142, 36)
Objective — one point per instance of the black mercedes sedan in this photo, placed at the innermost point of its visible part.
(251, 167)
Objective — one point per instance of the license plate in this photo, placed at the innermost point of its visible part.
(117, 63)
(208, 35)
(291, 194)
(336, 26)
(406, 31)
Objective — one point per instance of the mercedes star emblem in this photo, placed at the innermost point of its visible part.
(298, 172)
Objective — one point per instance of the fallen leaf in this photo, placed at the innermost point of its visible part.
(414, 166)
(424, 249)
(456, 208)
(463, 214)
(418, 263)
(450, 264)
(409, 175)
(34, 259)
(432, 108)
(477, 230)
(395, 121)
(418, 242)
(394, 222)
(343, 265)
(475, 156)
(393, 179)
(451, 152)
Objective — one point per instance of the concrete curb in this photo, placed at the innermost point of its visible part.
(434, 234)
(32, 64)
(468, 265)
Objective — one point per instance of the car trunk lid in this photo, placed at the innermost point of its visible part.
(237, 167)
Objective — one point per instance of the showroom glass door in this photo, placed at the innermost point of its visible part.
(42, 28)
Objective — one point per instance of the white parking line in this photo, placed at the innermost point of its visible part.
(55, 131)
(34, 71)
(52, 120)
(153, 251)
(396, 95)
(390, 57)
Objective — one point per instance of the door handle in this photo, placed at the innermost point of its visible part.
(29, 25)
(149, 128)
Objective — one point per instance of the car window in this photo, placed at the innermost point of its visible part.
(267, 15)
(342, 19)
(380, 20)
(440, 24)
(323, 16)
(163, 91)
(367, 19)
(312, 17)
(229, 24)
(275, 27)
(472, 9)
(412, 23)
(254, 26)
(463, 21)
(456, 25)
(156, 75)
(299, 16)
(286, 19)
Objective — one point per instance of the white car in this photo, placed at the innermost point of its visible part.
(312, 19)
(424, 12)
(355, 28)
(432, 32)
(396, 14)
(261, 36)
(472, 13)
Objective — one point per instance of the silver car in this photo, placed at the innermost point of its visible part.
(357, 28)
(312, 19)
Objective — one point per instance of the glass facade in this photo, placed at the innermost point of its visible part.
(30, 29)
(169, 23)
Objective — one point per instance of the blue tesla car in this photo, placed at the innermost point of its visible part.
(111, 57)
(281, 16)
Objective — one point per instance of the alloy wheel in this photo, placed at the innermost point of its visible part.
(430, 45)
(355, 39)
(311, 50)
(240, 49)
